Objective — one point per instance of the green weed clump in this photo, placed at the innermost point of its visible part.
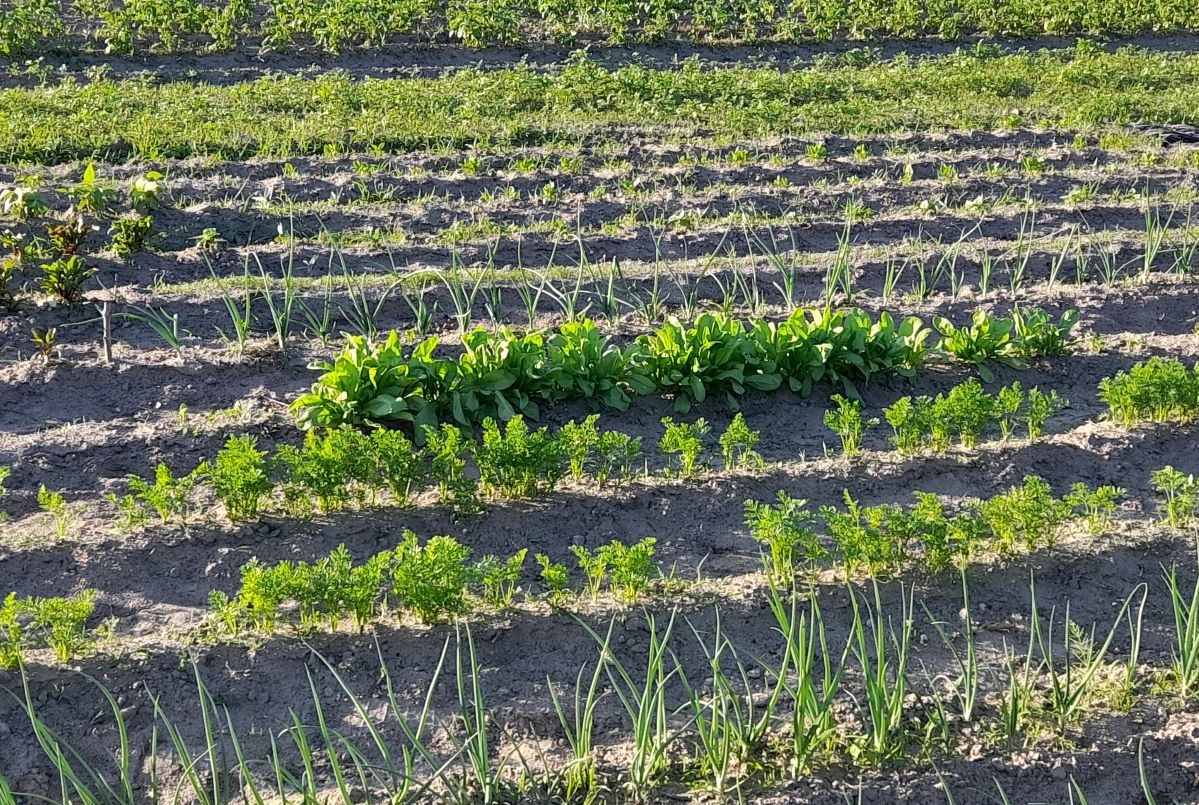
(786, 529)
(737, 445)
(500, 577)
(1180, 493)
(626, 569)
(431, 579)
(170, 497)
(847, 422)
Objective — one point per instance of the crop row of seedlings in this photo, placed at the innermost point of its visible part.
(344, 466)
(32, 26)
(693, 202)
(341, 467)
(966, 412)
(851, 700)
(1158, 390)
(94, 202)
(503, 373)
(435, 581)
(336, 467)
(890, 538)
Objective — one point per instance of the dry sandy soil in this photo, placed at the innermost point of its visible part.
(81, 426)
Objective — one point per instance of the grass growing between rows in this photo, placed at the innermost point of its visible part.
(284, 115)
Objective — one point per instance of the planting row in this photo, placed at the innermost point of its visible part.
(340, 466)
(434, 581)
(33, 26)
(437, 580)
(333, 469)
(966, 411)
(333, 113)
(696, 708)
(502, 373)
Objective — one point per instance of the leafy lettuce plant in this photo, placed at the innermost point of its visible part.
(986, 338)
(582, 363)
(372, 383)
(1036, 334)
(498, 376)
(713, 357)
(839, 347)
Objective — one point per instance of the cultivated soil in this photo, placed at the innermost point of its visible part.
(689, 214)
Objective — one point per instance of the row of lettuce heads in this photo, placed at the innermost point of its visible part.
(502, 373)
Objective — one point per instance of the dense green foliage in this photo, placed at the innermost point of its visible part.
(285, 115)
(166, 26)
(503, 373)
(1158, 390)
